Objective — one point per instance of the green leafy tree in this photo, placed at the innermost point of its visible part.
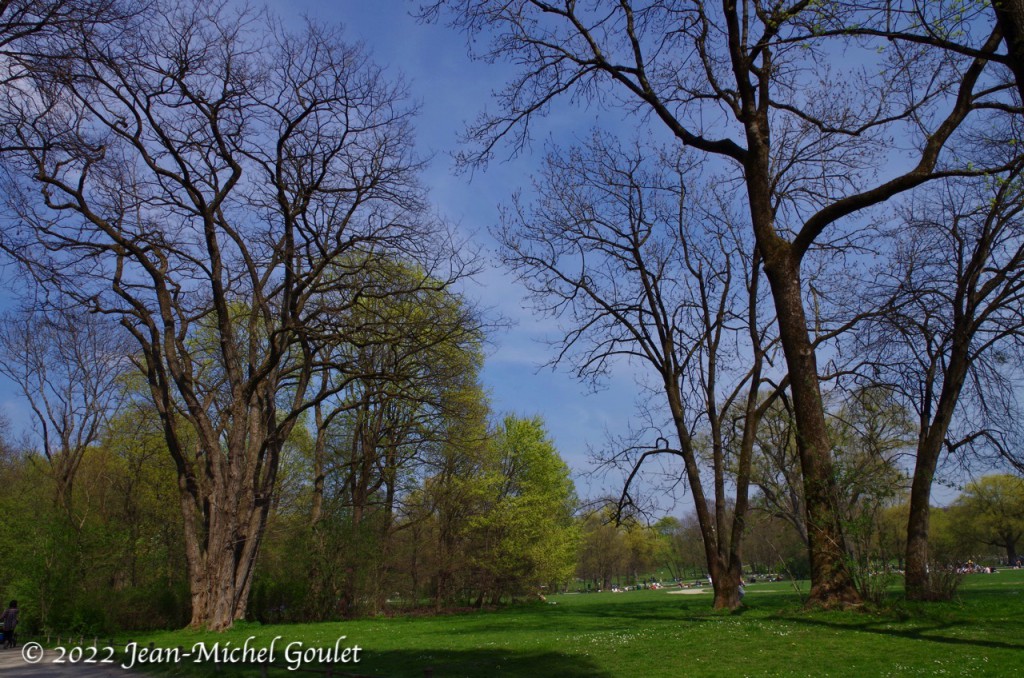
(526, 538)
(401, 390)
(680, 547)
(121, 565)
(603, 553)
(991, 511)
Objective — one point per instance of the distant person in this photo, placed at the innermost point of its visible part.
(9, 619)
(742, 589)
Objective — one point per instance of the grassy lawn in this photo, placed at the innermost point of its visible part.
(656, 633)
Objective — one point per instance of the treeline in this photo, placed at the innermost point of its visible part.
(454, 512)
(481, 524)
(983, 524)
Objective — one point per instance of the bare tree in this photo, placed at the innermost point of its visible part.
(808, 140)
(953, 335)
(945, 24)
(71, 367)
(197, 172)
(21, 21)
(616, 247)
(1010, 18)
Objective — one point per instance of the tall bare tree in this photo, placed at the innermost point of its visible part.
(196, 171)
(618, 248)
(807, 137)
(951, 341)
(71, 367)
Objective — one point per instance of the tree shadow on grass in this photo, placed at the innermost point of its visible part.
(931, 632)
(437, 663)
(580, 620)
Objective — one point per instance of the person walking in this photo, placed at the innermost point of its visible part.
(9, 619)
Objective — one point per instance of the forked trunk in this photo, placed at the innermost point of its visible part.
(219, 583)
(221, 547)
(726, 584)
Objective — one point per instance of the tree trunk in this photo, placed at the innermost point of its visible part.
(224, 520)
(1010, 18)
(725, 580)
(220, 566)
(916, 578)
(832, 584)
(929, 449)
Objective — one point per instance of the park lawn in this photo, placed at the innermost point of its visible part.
(657, 633)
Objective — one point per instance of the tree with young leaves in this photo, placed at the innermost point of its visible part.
(754, 85)
(680, 547)
(603, 552)
(405, 363)
(525, 537)
(195, 170)
(870, 431)
(991, 511)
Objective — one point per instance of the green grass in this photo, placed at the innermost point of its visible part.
(655, 633)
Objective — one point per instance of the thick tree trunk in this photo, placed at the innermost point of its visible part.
(831, 581)
(223, 526)
(916, 577)
(219, 582)
(725, 580)
(1010, 18)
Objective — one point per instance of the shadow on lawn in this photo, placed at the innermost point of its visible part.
(444, 663)
(928, 633)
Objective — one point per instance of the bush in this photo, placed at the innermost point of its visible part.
(873, 585)
(943, 582)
